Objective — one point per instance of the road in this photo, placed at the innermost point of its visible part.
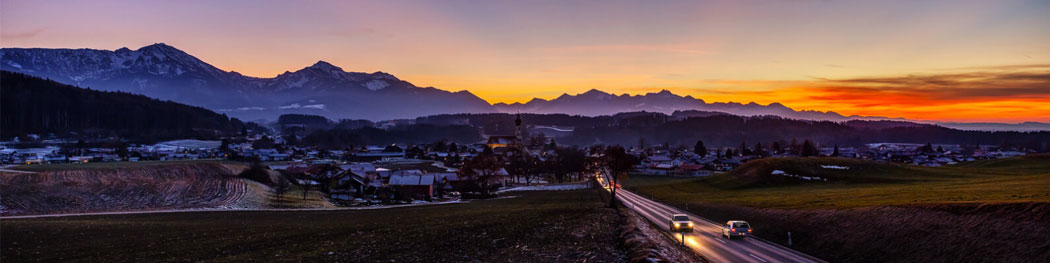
(706, 238)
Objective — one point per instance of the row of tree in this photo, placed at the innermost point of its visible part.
(807, 148)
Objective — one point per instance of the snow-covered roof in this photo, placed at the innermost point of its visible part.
(406, 172)
(412, 180)
(659, 158)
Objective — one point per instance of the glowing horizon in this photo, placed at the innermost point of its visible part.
(968, 61)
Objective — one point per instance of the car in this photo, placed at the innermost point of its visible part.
(680, 223)
(736, 228)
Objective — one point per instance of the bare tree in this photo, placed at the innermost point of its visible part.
(618, 162)
(482, 169)
(279, 188)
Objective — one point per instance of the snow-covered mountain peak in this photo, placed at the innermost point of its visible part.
(383, 75)
(325, 66)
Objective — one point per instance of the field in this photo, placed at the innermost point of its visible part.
(558, 226)
(984, 211)
(865, 184)
(117, 187)
(115, 165)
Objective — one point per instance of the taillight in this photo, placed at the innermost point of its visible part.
(734, 230)
(749, 230)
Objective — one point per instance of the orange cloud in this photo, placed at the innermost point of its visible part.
(971, 96)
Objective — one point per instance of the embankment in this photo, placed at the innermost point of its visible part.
(134, 188)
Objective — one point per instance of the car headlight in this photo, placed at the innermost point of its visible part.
(677, 225)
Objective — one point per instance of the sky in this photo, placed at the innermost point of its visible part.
(926, 60)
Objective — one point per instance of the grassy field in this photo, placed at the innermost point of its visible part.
(866, 183)
(113, 165)
(559, 226)
(879, 212)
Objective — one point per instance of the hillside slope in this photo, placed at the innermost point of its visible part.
(33, 105)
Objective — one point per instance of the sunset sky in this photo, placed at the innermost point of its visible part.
(925, 60)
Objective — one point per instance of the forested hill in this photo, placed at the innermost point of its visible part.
(685, 128)
(32, 105)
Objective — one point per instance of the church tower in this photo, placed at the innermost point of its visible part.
(517, 127)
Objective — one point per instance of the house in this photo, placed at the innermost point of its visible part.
(418, 187)
(346, 185)
(80, 159)
(371, 153)
(55, 158)
(659, 161)
(443, 182)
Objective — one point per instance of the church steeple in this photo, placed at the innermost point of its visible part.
(517, 126)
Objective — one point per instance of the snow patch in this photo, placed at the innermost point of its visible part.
(807, 178)
(376, 84)
(553, 187)
(300, 106)
(834, 167)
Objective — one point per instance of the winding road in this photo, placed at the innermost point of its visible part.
(706, 238)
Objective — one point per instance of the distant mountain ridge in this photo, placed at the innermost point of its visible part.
(595, 102)
(164, 72)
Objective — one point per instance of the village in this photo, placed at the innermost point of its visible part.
(441, 171)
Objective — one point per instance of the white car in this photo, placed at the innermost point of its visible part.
(681, 223)
(736, 228)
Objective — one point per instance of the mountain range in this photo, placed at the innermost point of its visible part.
(595, 102)
(165, 72)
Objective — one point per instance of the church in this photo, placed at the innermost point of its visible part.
(502, 143)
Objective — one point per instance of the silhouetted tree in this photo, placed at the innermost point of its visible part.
(482, 169)
(280, 187)
(836, 153)
(928, 148)
(795, 148)
(760, 151)
(619, 163)
(808, 149)
(700, 149)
